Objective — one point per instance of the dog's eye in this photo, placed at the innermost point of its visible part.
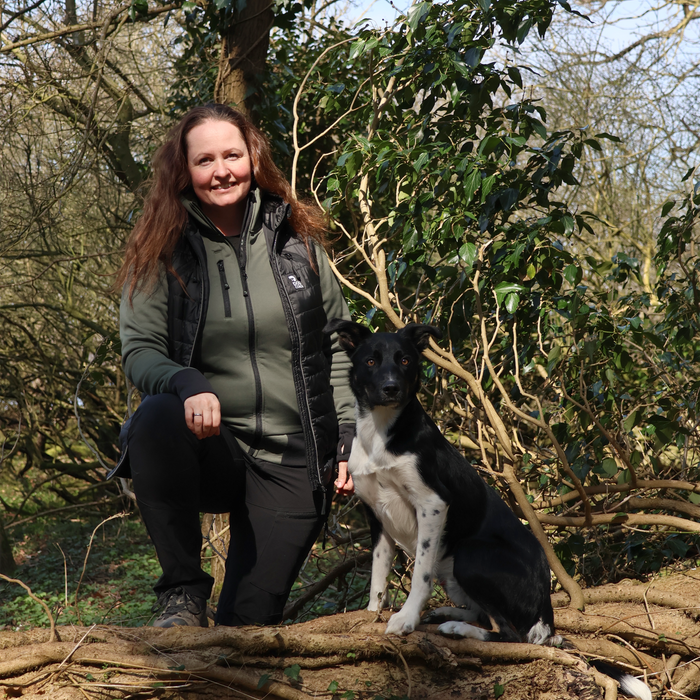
(405, 361)
(370, 362)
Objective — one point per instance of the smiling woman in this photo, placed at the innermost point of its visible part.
(246, 408)
(220, 168)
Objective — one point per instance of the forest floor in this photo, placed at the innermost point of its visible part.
(95, 578)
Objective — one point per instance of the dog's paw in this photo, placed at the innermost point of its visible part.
(462, 629)
(402, 623)
(447, 613)
(453, 628)
(435, 617)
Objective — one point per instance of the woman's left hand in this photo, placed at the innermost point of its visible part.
(343, 484)
(203, 414)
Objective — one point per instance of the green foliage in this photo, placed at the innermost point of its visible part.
(444, 163)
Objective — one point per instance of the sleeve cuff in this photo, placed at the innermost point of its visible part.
(346, 434)
(188, 382)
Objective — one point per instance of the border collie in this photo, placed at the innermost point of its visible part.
(423, 495)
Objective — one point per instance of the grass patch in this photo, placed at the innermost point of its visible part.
(117, 586)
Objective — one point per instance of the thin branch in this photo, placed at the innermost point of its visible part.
(53, 637)
(87, 554)
(295, 110)
(292, 610)
(19, 13)
(152, 12)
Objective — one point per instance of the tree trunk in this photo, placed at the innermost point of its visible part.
(7, 561)
(243, 52)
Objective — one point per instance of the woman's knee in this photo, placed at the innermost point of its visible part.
(162, 450)
(159, 417)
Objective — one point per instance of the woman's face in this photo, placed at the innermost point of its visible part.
(219, 165)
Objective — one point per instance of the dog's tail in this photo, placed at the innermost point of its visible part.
(629, 685)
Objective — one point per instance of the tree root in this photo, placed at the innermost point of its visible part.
(630, 630)
(630, 594)
(259, 660)
(637, 662)
(350, 652)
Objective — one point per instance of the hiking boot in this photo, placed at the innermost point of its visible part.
(180, 608)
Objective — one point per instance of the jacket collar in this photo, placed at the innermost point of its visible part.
(275, 211)
(194, 209)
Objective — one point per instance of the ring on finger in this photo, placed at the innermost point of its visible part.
(198, 414)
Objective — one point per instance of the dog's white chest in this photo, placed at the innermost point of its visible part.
(391, 485)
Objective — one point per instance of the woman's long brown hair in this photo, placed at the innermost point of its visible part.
(158, 229)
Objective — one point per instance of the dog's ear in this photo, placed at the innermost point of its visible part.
(350, 334)
(419, 334)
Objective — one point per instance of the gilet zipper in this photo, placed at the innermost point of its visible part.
(257, 435)
(224, 288)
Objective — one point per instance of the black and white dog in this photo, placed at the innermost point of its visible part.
(423, 495)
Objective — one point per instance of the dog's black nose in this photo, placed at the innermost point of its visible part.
(391, 390)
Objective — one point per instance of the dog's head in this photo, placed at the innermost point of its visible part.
(385, 366)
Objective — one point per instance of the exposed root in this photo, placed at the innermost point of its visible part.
(607, 683)
(638, 631)
(630, 594)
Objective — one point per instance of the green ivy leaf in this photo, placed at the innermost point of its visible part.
(630, 421)
(553, 358)
(486, 186)
(467, 254)
(609, 137)
(293, 672)
(568, 222)
(572, 274)
(505, 288)
(417, 14)
(357, 48)
(263, 680)
(609, 466)
(472, 184)
(509, 197)
(420, 162)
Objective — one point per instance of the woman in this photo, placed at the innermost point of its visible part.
(226, 290)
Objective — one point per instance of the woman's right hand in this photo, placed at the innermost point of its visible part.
(203, 414)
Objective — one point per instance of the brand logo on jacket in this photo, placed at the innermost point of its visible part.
(295, 282)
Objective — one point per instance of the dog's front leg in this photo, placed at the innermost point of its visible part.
(382, 556)
(431, 514)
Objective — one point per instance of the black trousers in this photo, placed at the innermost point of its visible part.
(274, 514)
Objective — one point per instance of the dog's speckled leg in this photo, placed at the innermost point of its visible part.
(382, 557)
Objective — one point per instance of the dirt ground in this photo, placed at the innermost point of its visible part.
(651, 629)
